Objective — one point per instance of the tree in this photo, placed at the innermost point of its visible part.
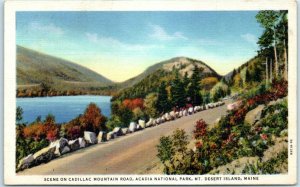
(138, 114)
(163, 103)
(19, 114)
(50, 118)
(113, 122)
(238, 81)
(125, 115)
(247, 77)
(275, 35)
(177, 92)
(164, 149)
(92, 118)
(185, 80)
(150, 103)
(208, 83)
(194, 88)
(231, 81)
(45, 87)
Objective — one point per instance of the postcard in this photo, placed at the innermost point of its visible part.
(150, 92)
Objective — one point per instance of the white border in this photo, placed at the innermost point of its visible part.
(11, 7)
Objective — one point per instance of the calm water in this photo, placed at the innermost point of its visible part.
(64, 108)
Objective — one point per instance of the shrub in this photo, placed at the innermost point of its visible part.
(200, 129)
(174, 154)
(73, 129)
(150, 104)
(138, 114)
(164, 149)
(24, 147)
(113, 122)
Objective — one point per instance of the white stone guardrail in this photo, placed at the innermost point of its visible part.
(63, 146)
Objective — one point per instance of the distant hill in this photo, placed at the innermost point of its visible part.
(40, 74)
(184, 64)
(151, 78)
(34, 68)
(248, 75)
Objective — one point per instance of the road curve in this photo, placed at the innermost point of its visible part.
(130, 154)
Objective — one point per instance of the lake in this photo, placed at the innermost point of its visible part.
(64, 108)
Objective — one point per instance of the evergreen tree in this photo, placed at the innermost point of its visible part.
(231, 80)
(162, 98)
(177, 92)
(247, 76)
(186, 82)
(194, 88)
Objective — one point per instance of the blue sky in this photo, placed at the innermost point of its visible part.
(120, 45)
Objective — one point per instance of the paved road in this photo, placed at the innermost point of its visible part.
(130, 154)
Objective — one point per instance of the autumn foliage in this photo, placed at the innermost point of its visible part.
(209, 82)
(133, 103)
(39, 131)
(92, 119)
(200, 129)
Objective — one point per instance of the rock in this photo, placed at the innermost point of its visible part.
(172, 115)
(234, 106)
(90, 137)
(180, 113)
(184, 113)
(82, 142)
(132, 127)
(110, 136)
(59, 145)
(74, 144)
(167, 117)
(254, 115)
(158, 121)
(138, 127)
(125, 131)
(118, 131)
(177, 114)
(142, 123)
(195, 109)
(211, 105)
(150, 122)
(44, 155)
(26, 162)
(101, 137)
(191, 110)
(65, 150)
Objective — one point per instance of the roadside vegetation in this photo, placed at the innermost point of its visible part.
(232, 138)
(252, 137)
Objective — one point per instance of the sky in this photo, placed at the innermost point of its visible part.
(121, 45)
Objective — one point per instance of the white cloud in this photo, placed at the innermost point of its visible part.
(249, 38)
(160, 33)
(111, 42)
(48, 28)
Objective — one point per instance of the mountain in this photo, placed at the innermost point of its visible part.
(34, 68)
(151, 78)
(184, 64)
(39, 74)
